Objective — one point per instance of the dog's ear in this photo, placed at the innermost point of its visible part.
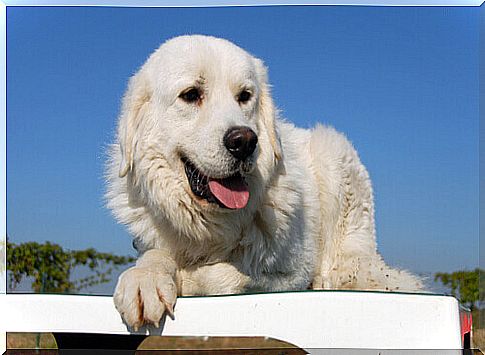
(267, 110)
(133, 108)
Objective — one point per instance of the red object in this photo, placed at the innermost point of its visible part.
(465, 323)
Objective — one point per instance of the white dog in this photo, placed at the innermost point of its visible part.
(222, 196)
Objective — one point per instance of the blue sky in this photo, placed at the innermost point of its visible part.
(402, 83)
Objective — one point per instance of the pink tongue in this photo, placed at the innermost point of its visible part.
(231, 192)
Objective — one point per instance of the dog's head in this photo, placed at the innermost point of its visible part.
(198, 123)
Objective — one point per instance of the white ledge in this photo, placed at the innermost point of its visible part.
(310, 319)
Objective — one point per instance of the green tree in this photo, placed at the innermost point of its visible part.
(51, 266)
(463, 285)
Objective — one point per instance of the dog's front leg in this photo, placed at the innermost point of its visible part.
(215, 279)
(147, 290)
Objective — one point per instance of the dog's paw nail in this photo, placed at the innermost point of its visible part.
(169, 310)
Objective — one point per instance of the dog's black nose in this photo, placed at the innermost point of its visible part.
(240, 141)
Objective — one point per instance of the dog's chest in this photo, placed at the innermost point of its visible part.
(207, 251)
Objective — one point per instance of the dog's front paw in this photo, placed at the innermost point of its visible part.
(142, 295)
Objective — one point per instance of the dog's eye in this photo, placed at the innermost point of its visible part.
(244, 96)
(191, 95)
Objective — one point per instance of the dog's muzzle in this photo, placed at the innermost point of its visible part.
(229, 192)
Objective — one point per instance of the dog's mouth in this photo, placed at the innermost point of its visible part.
(230, 192)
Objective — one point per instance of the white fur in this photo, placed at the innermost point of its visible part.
(310, 217)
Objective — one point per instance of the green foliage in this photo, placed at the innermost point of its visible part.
(50, 265)
(463, 285)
